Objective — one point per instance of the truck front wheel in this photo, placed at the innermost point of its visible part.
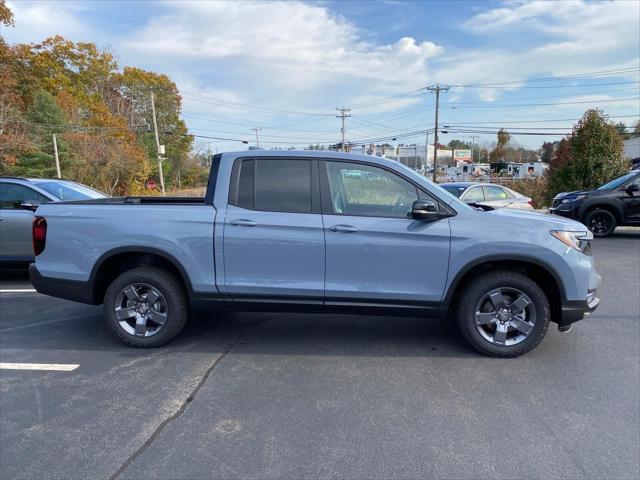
(503, 313)
(146, 307)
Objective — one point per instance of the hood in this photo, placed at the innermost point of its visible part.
(575, 193)
(554, 222)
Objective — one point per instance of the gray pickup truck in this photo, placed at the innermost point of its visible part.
(317, 231)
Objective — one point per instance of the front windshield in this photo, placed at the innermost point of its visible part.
(453, 189)
(616, 182)
(69, 190)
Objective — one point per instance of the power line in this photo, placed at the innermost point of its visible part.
(551, 79)
(612, 100)
(547, 86)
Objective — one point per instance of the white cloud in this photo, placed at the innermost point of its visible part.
(37, 21)
(292, 44)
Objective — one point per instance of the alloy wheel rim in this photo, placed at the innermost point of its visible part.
(141, 310)
(505, 316)
(599, 223)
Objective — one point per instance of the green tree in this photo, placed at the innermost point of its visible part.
(44, 118)
(623, 130)
(456, 144)
(590, 156)
(500, 152)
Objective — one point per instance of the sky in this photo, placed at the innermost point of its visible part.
(284, 67)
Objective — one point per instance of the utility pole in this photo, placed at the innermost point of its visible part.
(473, 147)
(159, 148)
(55, 153)
(257, 138)
(342, 116)
(426, 151)
(436, 88)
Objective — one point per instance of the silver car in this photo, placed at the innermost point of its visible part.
(19, 197)
(496, 196)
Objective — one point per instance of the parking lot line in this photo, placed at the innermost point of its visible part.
(55, 367)
(17, 290)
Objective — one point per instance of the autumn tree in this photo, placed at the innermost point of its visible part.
(546, 151)
(590, 156)
(6, 15)
(101, 116)
(136, 86)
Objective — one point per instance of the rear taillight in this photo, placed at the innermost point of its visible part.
(39, 235)
(532, 203)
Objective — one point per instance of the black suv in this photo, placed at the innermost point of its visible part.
(602, 210)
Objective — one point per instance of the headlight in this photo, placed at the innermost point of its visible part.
(580, 241)
(572, 199)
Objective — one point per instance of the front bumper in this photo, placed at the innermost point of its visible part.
(562, 213)
(573, 311)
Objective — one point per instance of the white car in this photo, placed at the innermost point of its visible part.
(496, 196)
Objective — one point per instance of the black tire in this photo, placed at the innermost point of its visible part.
(478, 288)
(175, 303)
(601, 222)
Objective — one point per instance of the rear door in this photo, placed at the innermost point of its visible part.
(15, 222)
(496, 196)
(376, 254)
(273, 234)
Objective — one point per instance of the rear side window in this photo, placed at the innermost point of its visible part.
(13, 195)
(474, 194)
(495, 193)
(275, 185)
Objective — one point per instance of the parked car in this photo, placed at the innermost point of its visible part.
(616, 203)
(317, 231)
(19, 198)
(496, 196)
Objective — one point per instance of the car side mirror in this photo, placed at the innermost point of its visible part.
(33, 206)
(634, 187)
(425, 210)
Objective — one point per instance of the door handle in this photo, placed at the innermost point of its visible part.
(343, 228)
(243, 223)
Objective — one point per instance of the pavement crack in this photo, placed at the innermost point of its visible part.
(160, 428)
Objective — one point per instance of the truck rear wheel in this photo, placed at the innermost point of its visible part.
(503, 314)
(146, 307)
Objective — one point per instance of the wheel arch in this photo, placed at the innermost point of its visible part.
(610, 207)
(539, 271)
(118, 260)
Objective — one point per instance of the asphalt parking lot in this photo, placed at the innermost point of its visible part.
(309, 396)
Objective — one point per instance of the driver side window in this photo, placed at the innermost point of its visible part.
(363, 190)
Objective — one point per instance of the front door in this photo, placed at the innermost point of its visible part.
(377, 254)
(631, 202)
(273, 233)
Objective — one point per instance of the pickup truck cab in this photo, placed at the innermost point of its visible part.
(317, 231)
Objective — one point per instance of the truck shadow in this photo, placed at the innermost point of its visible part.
(83, 329)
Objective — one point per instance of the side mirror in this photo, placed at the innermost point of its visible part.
(33, 206)
(632, 188)
(425, 210)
